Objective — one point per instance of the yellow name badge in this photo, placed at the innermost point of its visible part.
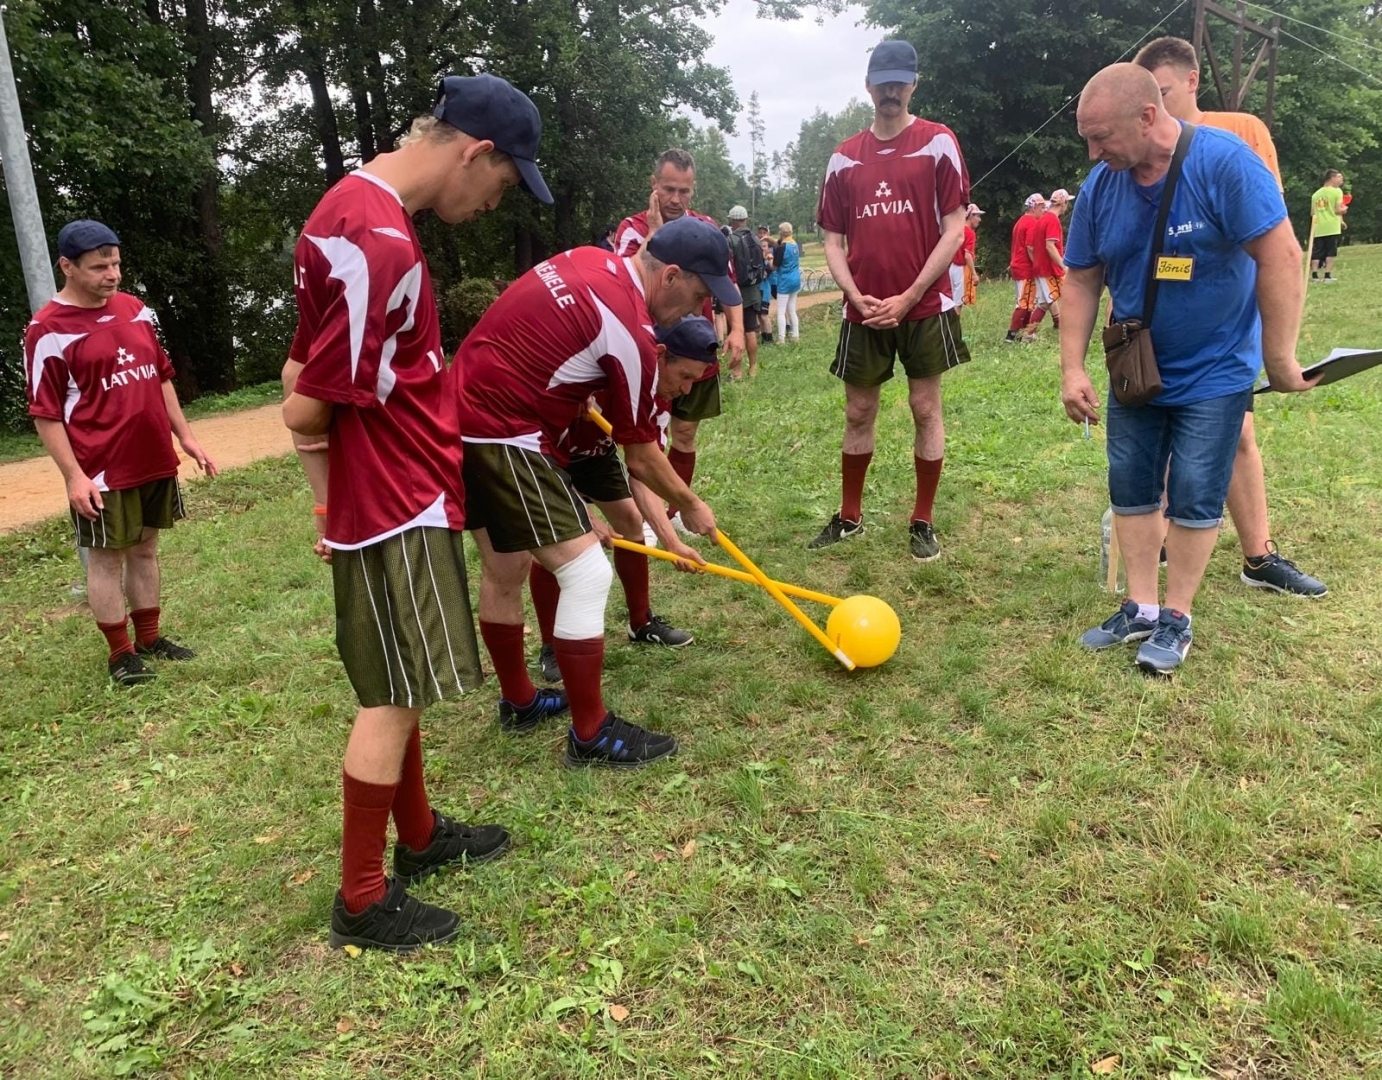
(1174, 268)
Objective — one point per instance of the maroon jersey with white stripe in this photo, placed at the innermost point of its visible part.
(101, 372)
(887, 199)
(368, 335)
(571, 326)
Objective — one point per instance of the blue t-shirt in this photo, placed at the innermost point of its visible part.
(1206, 331)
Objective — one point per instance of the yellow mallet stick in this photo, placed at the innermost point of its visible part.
(600, 421)
(777, 594)
(733, 575)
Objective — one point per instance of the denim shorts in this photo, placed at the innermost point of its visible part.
(1200, 441)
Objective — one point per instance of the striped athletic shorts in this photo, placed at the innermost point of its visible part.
(404, 627)
(521, 497)
(126, 514)
(865, 356)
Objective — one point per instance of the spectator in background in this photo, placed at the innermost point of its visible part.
(787, 270)
(751, 271)
(1020, 265)
(971, 275)
(1048, 262)
(1327, 210)
(769, 293)
(605, 237)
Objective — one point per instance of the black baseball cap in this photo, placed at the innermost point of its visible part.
(488, 107)
(694, 338)
(699, 248)
(76, 238)
(892, 61)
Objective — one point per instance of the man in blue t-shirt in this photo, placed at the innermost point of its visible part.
(1229, 292)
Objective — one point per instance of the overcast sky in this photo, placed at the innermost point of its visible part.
(799, 66)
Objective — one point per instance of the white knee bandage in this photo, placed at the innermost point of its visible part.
(584, 582)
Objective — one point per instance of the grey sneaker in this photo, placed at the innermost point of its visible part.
(1281, 575)
(836, 529)
(1122, 626)
(925, 547)
(547, 661)
(1164, 651)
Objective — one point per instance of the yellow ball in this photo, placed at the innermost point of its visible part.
(865, 628)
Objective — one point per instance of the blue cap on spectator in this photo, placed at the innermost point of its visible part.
(699, 248)
(892, 62)
(488, 107)
(78, 237)
(694, 338)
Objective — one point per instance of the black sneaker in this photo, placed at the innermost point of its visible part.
(399, 923)
(837, 529)
(547, 662)
(452, 842)
(128, 670)
(514, 720)
(165, 650)
(925, 547)
(657, 631)
(618, 745)
(1271, 571)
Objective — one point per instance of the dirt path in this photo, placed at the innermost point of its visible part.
(32, 491)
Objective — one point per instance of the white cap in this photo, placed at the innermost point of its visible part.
(738, 213)
(1035, 199)
(1061, 195)
(974, 211)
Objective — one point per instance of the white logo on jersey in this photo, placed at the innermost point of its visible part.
(886, 151)
(877, 209)
(389, 230)
(106, 318)
(883, 192)
(123, 356)
(135, 374)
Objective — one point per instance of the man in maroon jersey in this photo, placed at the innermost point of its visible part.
(893, 211)
(101, 399)
(575, 325)
(366, 368)
(673, 188)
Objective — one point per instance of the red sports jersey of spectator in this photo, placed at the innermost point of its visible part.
(101, 372)
(369, 339)
(888, 199)
(1024, 236)
(1047, 227)
(970, 241)
(573, 325)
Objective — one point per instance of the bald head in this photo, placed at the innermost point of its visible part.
(1122, 118)
(1125, 89)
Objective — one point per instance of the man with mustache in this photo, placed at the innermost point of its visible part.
(1229, 298)
(893, 210)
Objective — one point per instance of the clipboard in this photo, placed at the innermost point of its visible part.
(1339, 364)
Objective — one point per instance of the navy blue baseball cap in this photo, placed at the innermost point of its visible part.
(892, 61)
(699, 248)
(78, 237)
(694, 338)
(488, 107)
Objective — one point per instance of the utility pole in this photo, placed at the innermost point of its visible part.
(19, 185)
(1247, 34)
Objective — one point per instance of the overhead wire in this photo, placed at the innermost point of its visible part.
(1362, 44)
(1036, 131)
(1328, 55)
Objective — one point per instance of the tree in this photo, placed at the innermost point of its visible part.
(758, 165)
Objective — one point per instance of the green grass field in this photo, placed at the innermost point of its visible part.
(996, 856)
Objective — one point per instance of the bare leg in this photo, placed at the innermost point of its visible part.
(1247, 495)
(861, 411)
(105, 593)
(141, 571)
(377, 743)
(924, 396)
(683, 433)
(1139, 539)
(1187, 554)
(751, 347)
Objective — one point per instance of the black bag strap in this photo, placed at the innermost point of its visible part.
(1187, 133)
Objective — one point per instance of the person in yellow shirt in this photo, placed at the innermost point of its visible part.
(1327, 210)
(1176, 68)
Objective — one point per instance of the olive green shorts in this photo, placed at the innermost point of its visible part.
(155, 505)
(522, 498)
(865, 356)
(600, 477)
(701, 402)
(404, 627)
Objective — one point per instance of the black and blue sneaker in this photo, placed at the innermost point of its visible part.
(1272, 571)
(521, 719)
(451, 842)
(1122, 626)
(618, 745)
(1164, 651)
